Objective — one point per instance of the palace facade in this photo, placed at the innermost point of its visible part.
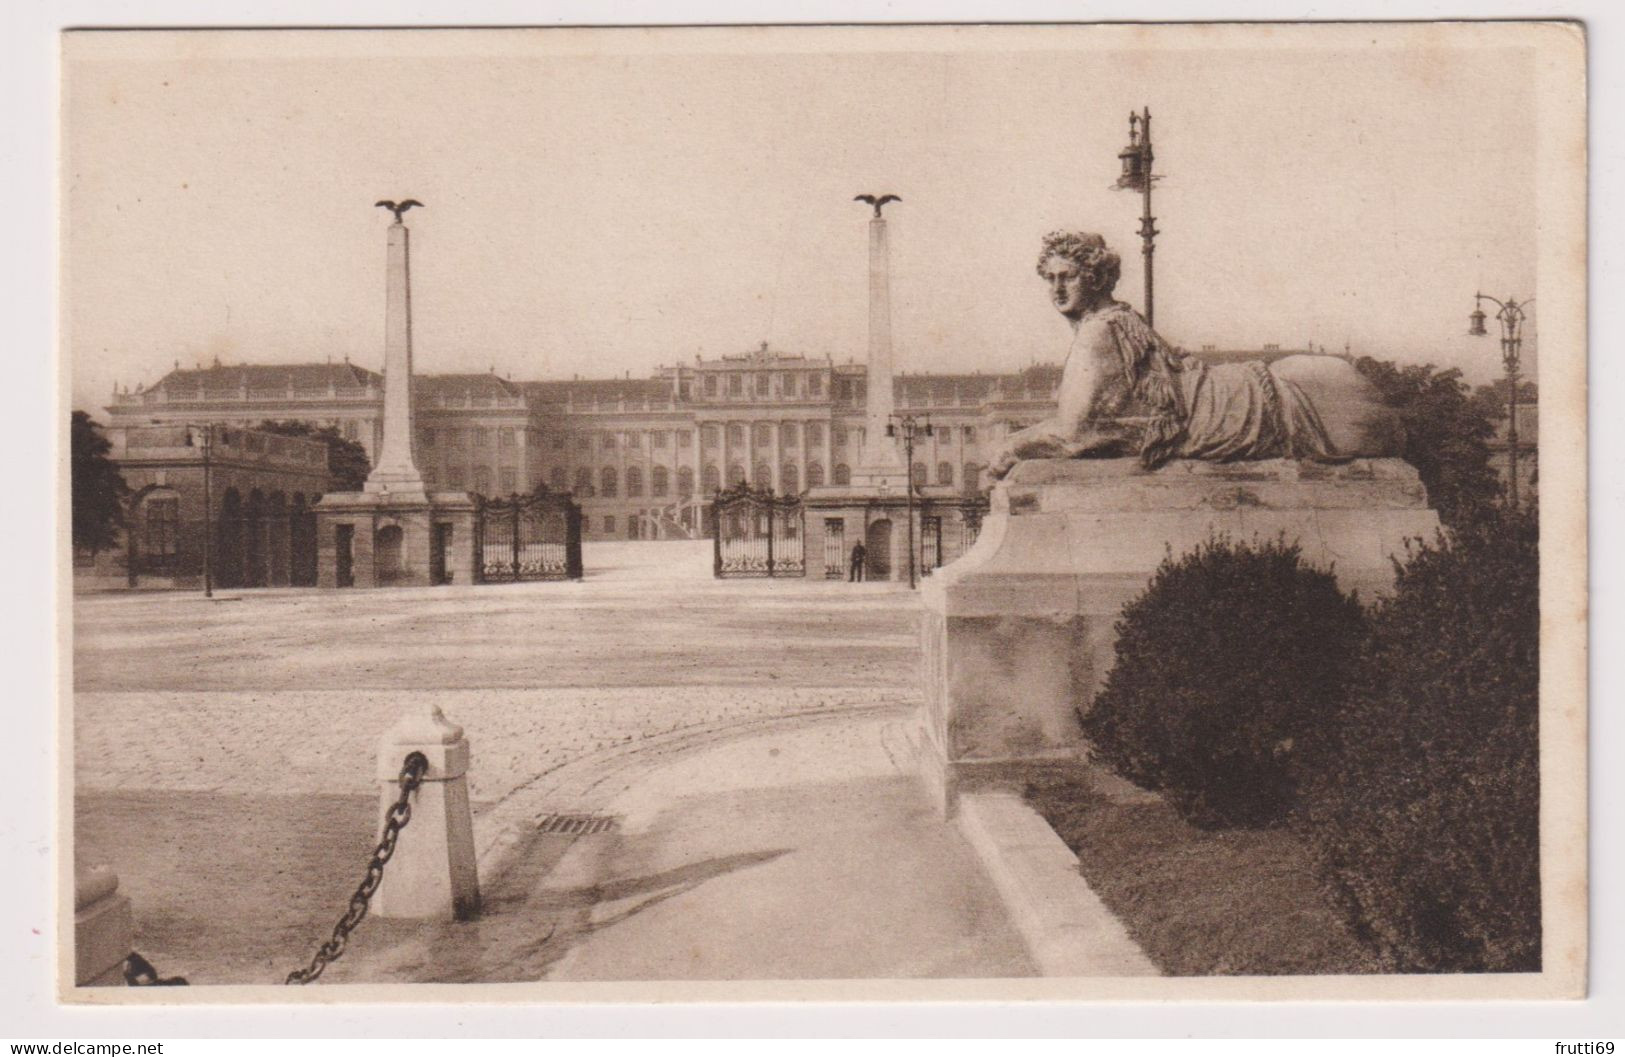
(642, 455)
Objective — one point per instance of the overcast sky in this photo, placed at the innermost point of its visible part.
(604, 203)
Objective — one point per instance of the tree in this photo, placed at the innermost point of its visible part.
(346, 460)
(99, 490)
(1447, 434)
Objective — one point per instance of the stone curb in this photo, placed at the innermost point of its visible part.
(1067, 929)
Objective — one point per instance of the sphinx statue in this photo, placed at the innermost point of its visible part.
(1126, 392)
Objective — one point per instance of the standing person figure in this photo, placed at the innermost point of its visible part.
(860, 556)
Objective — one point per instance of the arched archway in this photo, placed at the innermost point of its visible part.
(386, 554)
(877, 547)
(228, 540)
(254, 548)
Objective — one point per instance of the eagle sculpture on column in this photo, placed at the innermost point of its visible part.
(399, 209)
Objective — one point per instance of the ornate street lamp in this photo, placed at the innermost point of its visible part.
(911, 428)
(1510, 314)
(1137, 160)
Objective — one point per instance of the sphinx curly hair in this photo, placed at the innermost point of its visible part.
(1088, 251)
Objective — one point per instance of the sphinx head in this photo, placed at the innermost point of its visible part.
(1080, 270)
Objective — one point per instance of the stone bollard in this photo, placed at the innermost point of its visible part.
(433, 872)
(103, 928)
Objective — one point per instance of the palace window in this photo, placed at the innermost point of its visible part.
(482, 480)
(712, 480)
(685, 439)
(736, 435)
(788, 434)
(606, 441)
(710, 385)
(634, 482)
(815, 385)
(709, 436)
(788, 385)
(482, 438)
(736, 385)
(969, 434)
(685, 481)
(763, 477)
(658, 438)
(634, 440)
(789, 479)
(609, 522)
(508, 479)
(763, 434)
(583, 486)
(843, 473)
(815, 432)
(972, 477)
(659, 482)
(919, 474)
(583, 443)
(558, 442)
(352, 430)
(815, 474)
(736, 475)
(945, 473)
(608, 482)
(838, 435)
(506, 438)
(764, 384)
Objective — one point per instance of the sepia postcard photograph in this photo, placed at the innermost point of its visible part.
(834, 512)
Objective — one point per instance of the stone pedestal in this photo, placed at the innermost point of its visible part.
(433, 873)
(103, 928)
(1018, 634)
(395, 540)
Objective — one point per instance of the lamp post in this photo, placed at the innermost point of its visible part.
(1510, 314)
(204, 441)
(1137, 176)
(911, 428)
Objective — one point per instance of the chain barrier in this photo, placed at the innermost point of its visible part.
(138, 972)
(395, 820)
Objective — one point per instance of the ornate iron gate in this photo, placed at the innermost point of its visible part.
(758, 534)
(528, 537)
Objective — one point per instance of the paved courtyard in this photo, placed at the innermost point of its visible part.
(753, 738)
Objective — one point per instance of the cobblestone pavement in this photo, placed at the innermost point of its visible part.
(251, 717)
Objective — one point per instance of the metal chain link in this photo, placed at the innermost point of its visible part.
(138, 972)
(395, 820)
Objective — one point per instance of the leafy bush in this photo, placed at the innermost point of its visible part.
(1424, 812)
(1226, 666)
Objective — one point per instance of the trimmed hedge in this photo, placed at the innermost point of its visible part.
(1226, 666)
(1424, 806)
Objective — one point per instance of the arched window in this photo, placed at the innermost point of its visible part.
(608, 486)
(763, 476)
(789, 479)
(919, 476)
(815, 432)
(789, 436)
(736, 475)
(945, 473)
(712, 480)
(973, 477)
(685, 481)
(710, 435)
(634, 481)
(843, 473)
(815, 474)
(659, 482)
(583, 482)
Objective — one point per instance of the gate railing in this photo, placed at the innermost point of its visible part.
(528, 537)
(757, 533)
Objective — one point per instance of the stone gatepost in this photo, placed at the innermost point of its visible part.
(433, 872)
(1018, 634)
(103, 928)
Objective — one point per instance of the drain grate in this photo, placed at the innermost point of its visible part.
(577, 825)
